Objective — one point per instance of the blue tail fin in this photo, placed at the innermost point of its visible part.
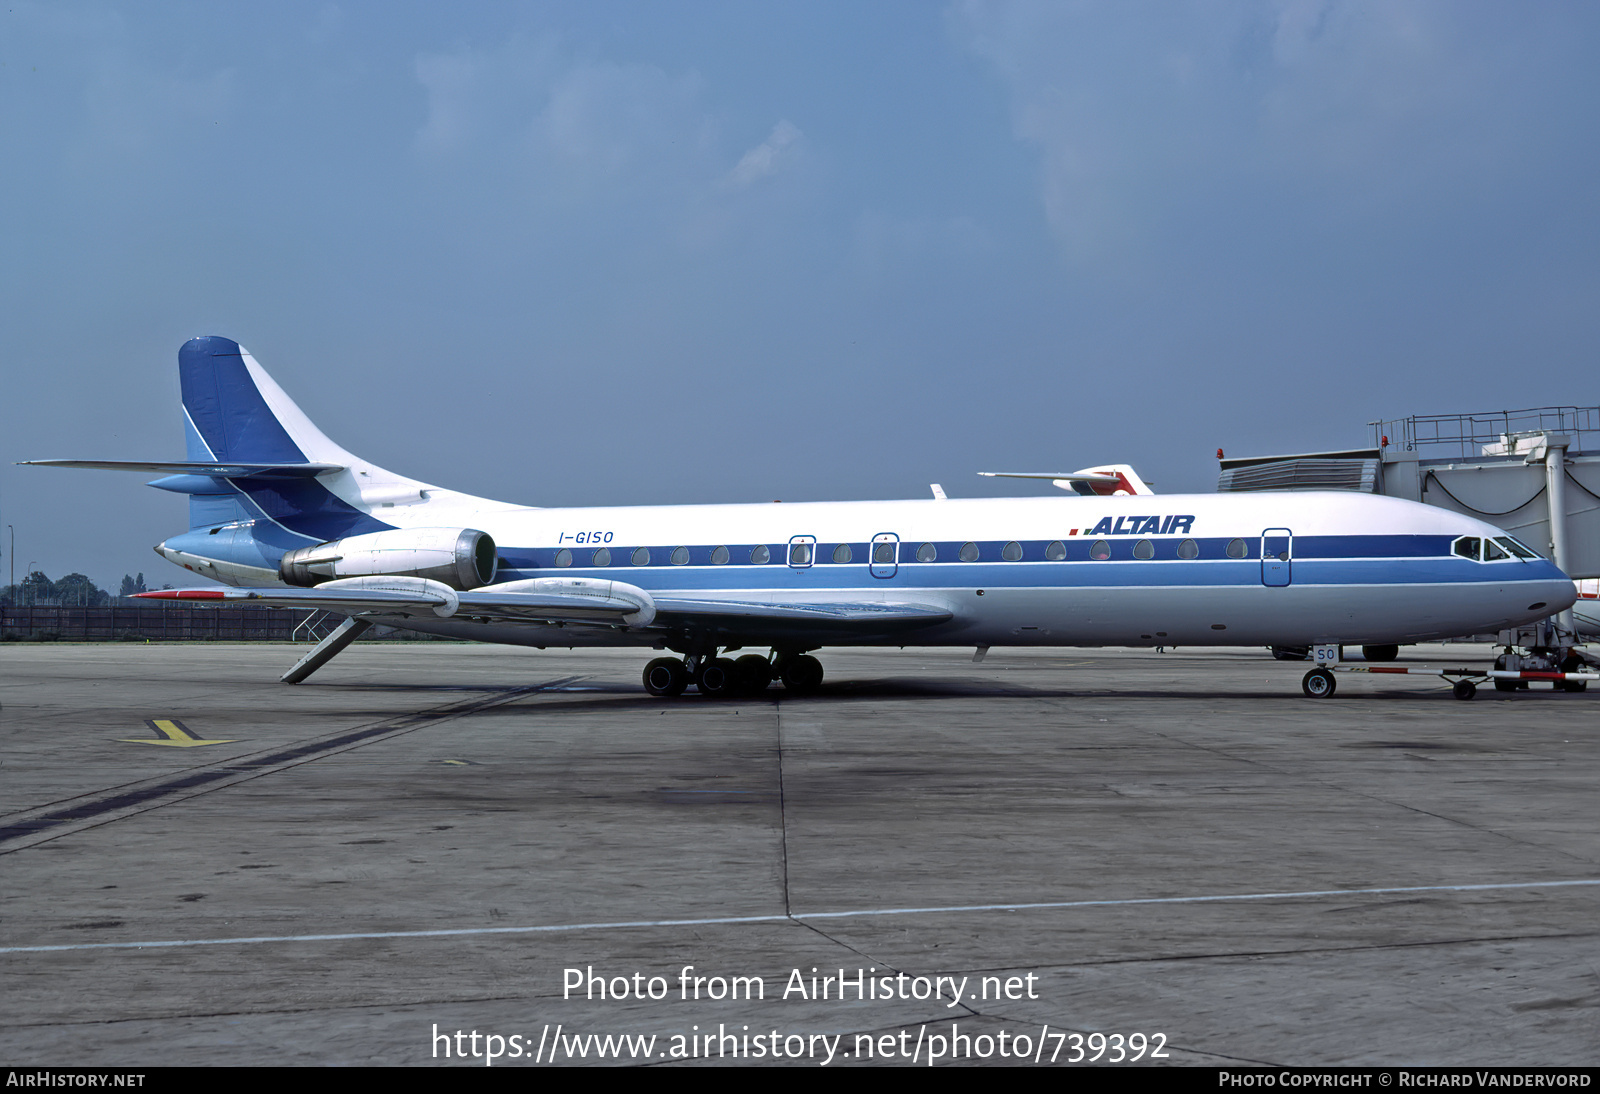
(235, 412)
(229, 415)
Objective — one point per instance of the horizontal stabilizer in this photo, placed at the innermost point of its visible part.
(216, 470)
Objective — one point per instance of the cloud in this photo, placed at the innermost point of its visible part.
(1146, 114)
(564, 122)
(766, 158)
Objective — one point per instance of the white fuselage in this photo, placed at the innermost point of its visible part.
(1179, 569)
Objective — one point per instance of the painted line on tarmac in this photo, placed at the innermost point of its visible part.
(467, 932)
(62, 818)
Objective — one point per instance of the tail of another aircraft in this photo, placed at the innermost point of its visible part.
(1112, 480)
(1127, 481)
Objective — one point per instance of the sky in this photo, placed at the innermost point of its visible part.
(644, 253)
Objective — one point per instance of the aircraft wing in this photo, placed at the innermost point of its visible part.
(580, 601)
(572, 600)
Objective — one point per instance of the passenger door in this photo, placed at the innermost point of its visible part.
(885, 554)
(1277, 552)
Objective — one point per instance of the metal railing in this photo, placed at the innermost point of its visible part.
(1440, 436)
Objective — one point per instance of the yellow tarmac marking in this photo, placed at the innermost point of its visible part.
(174, 734)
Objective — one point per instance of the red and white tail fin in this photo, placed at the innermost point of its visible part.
(1127, 481)
(1110, 480)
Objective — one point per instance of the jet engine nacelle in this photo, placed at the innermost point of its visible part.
(462, 558)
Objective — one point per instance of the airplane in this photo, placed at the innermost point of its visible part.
(282, 516)
(1111, 481)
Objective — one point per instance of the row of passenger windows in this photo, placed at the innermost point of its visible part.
(721, 556)
(800, 554)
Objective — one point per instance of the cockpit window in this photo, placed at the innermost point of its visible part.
(1493, 552)
(1516, 546)
(1467, 547)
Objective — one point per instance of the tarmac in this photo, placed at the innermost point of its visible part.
(1098, 851)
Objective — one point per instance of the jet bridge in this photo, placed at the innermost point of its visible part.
(1535, 473)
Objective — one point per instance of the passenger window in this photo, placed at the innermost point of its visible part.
(842, 553)
(719, 557)
(1238, 549)
(1467, 547)
(680, 556)
(641, 556)
(563, 557)
(760, 556)
(1101, 550)
(800, 554)
(1144, 549)
(1188, 549)
(1012, 552)
(602, 557)
(927, 553)
(883, 553)
(1056, 551)
(969, 552)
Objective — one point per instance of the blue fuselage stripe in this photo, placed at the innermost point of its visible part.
(1316, 560)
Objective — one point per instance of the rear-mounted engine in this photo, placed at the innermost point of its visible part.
(462, 558)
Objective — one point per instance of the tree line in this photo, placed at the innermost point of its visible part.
(72, 591)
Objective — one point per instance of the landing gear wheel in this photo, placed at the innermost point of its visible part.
(801, 674)
(718, 678)
(753, 673)
(1380, 653)
(1319, 684)
(665, 676)
(1464, 689)
(1573, 664)
(1503, 685)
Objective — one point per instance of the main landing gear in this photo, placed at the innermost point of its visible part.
(724, 677)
